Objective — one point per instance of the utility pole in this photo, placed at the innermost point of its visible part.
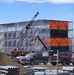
(57, 61)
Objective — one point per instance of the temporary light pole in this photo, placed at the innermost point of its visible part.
(57, 61)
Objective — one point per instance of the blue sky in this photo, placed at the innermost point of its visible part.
(24, 10)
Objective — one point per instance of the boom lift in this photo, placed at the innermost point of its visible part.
(17, 51)
(50, 52)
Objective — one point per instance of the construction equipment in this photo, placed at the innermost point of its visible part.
(17, 51)
(50, 52)
(42, 43)
(25, 30)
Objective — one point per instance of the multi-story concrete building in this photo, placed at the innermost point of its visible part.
(55, 34)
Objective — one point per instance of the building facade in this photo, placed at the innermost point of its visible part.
(57, 35)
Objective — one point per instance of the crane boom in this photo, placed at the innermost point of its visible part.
(25, 30)
(50, 52)
(42, 43)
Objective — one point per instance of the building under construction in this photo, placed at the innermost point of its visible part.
(56, 34)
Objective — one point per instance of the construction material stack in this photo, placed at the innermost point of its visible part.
(9, 70)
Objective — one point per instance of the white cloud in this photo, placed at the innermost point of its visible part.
(8, 1)
(62, 1)
(39, 1)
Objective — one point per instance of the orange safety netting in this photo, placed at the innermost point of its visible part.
(58, 41)
(62, 25)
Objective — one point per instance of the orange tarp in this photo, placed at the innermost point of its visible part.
(62, 25)
(58, 41)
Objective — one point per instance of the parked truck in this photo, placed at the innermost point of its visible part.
(63, 57)
(34, 58)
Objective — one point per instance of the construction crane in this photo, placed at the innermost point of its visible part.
(25, 30)
(16, 50)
